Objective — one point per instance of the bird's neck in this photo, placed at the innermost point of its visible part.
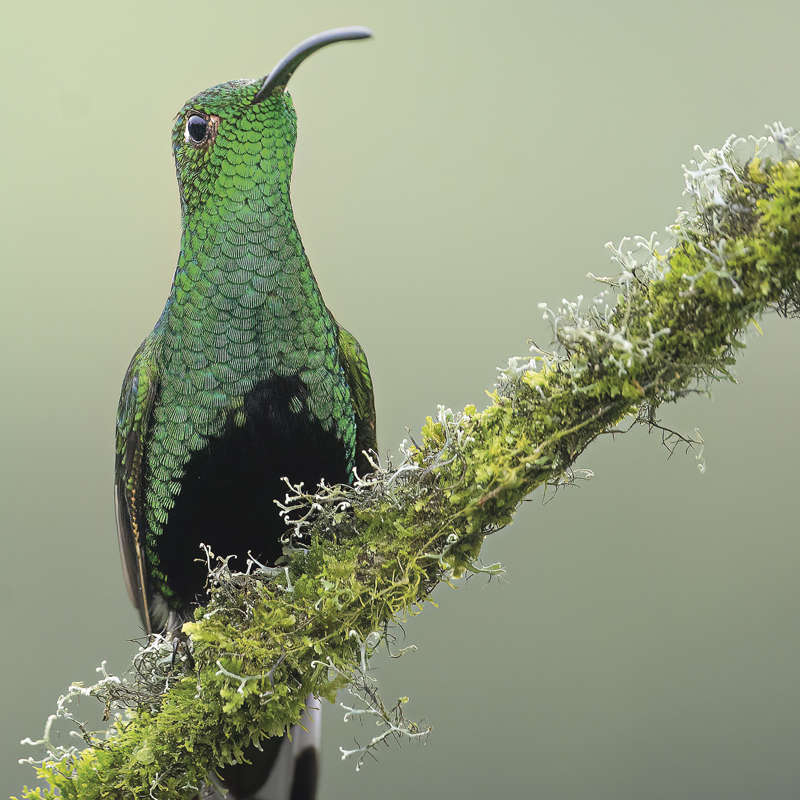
(246, 252)
(243, 276)
(254, 235)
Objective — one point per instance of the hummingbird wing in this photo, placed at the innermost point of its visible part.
(139, 390)
(356, 369)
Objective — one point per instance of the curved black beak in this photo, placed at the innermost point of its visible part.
(285, 68)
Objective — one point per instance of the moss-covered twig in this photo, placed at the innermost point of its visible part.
(669, 323)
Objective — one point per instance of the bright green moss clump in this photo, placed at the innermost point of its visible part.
(377, 550)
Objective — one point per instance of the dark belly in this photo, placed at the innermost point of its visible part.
(228, 490)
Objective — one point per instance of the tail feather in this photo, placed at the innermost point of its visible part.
(285, 769)
(306, 742)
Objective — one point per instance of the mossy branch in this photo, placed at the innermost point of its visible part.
(671, 322)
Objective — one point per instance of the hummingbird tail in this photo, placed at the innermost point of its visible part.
(288, 770)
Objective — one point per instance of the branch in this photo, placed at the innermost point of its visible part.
(359, 557)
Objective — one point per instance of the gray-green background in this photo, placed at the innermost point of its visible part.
(466, 164)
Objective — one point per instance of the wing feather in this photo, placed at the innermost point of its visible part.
(354, 363)
(139, 390)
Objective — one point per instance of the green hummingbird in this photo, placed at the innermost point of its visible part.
(245, 378)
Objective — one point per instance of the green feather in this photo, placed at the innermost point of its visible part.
(354, 362)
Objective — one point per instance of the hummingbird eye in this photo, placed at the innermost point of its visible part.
(196, 129)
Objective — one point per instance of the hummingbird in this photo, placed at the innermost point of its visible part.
(245, 379)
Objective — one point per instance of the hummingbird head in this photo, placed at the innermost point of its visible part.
(234, 143)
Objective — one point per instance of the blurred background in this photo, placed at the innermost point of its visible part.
(467, 163)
